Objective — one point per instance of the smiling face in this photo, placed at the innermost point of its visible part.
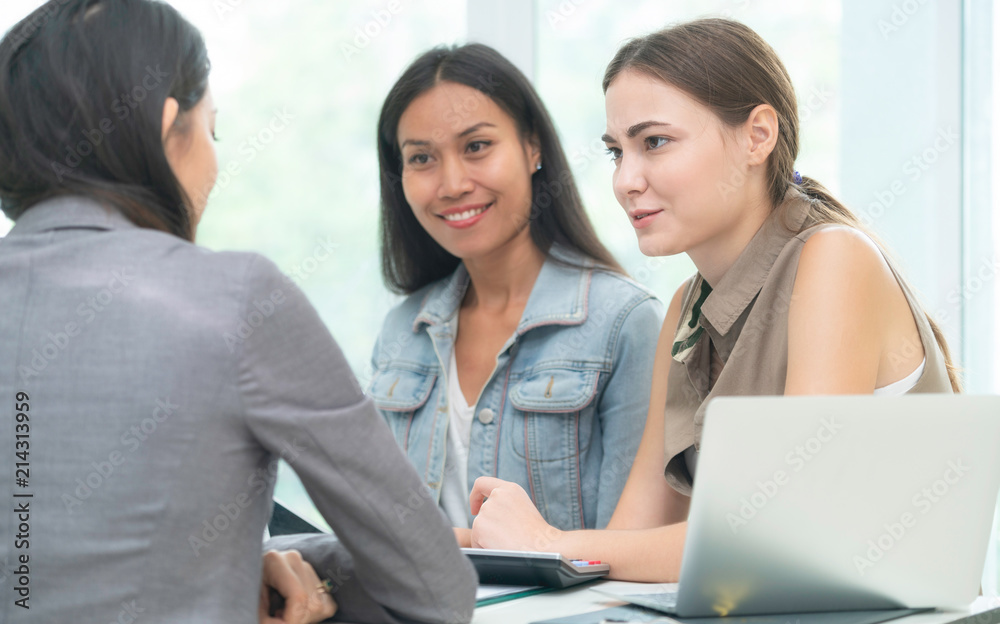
(466, 171)
(679, 173)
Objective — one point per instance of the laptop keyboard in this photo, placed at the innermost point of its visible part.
(661, 600)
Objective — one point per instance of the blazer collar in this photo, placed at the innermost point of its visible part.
(743, 281)
(559, 296)
(69, 212)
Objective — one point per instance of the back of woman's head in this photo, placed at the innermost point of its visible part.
(83, 85)
(412, 259)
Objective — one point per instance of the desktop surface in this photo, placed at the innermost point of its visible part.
(579, 599)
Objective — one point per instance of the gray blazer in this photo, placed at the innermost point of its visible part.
(161, 382)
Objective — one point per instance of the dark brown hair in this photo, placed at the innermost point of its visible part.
(730, 69)
(82, 89)
(411, 259)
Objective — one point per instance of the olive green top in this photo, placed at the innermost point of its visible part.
(745, 317)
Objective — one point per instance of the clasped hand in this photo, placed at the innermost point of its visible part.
(506, 519)
(295, 580)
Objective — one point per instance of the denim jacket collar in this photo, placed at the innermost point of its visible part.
(547, 304)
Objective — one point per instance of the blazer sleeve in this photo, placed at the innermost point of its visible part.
(395, 558)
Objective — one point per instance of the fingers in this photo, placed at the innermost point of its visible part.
(464, 537)
(264, 607)
(476, 535)
(279, 573)
(329, 607)
(297, 582)
(481, 490)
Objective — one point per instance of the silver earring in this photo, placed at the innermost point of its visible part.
(538, 167)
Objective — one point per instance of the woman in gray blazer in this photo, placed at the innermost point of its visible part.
(149, 386)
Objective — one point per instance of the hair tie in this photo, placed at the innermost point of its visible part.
(798, 178)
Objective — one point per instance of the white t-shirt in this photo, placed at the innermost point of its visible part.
(455, 485)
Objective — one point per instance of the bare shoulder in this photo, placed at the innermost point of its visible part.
(847, 306)
(841, 249)
(841, 261)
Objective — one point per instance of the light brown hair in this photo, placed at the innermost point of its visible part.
(730, 69)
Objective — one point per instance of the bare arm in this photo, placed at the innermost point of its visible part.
(648, 500)
(636, 543)
(848, 320)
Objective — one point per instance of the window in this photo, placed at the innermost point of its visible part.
(299, 86)
(979, 290)
(575, 41)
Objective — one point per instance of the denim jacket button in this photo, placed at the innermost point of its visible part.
(486, 416)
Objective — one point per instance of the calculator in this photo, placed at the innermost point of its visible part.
(518, 567)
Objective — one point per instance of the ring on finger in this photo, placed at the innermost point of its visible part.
(325, 587)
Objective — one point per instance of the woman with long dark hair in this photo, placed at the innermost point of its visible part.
(522, 349)
(792, 295)
(150, 385)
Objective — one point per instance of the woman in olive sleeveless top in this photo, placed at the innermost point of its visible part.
(792, 294)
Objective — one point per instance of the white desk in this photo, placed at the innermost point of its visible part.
(580, 600)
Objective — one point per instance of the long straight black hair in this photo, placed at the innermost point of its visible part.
(82, 89)
(411, 259)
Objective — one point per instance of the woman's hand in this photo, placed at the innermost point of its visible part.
(306, 600)
(464, 537)
(507, 519)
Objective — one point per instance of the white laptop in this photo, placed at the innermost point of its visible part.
(805, 504)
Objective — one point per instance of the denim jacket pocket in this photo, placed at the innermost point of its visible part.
(398, 393)
(549, 402)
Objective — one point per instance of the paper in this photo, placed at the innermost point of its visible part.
(488, 592)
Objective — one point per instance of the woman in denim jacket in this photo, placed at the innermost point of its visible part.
(523, 351)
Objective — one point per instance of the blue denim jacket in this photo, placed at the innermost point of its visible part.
(565, 407)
